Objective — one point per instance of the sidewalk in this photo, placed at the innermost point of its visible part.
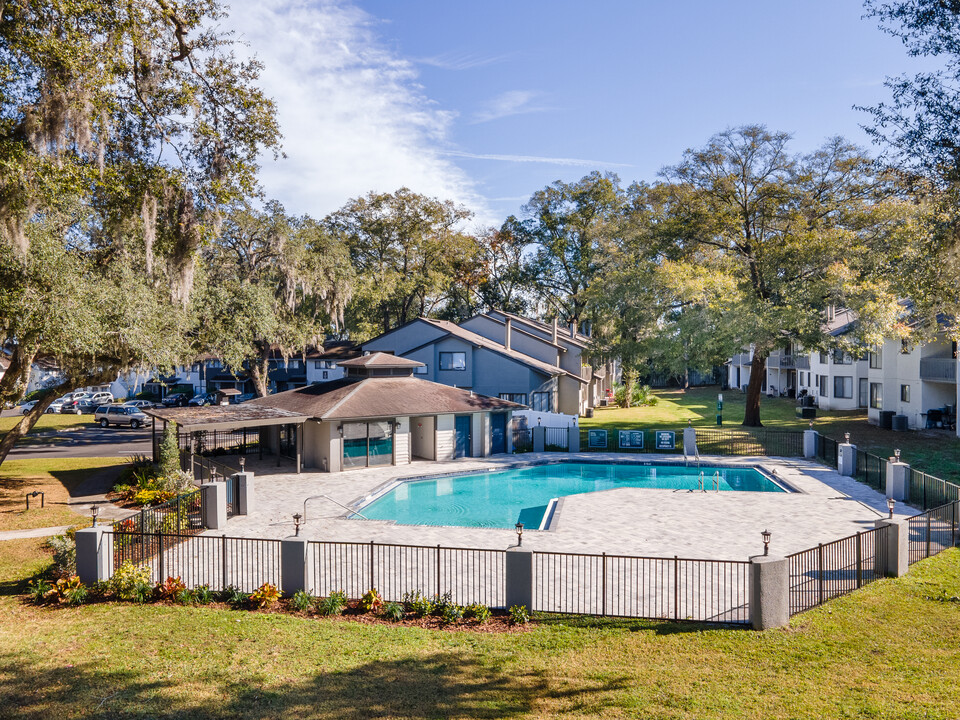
(33, 533)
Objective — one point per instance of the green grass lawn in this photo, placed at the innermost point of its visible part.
(56, 477)
(54, 421)
(891, 650)
(934, 451)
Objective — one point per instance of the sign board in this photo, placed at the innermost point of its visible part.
(631, 439)
(666, 440)
(597, 438)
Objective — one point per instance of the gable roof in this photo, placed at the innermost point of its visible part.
(452, 329)
(563, 332)
(380, 360)
(379, 397)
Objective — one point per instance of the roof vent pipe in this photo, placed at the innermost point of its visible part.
(508, 331)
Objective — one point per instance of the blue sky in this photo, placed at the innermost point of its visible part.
(486, 102)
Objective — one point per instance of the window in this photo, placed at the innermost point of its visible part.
(843, 386)
(514, 397)
(322, 364)
(905, 393)
(367, 444)
(453, 361)
(421, 370)
(823, 358)
(841, 358)
(326, 374)
(876, 359)
(876, 396)
(823, 385)
(293, 365)
(905, 347)
(541, 402)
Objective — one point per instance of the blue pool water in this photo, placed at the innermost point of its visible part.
(498, 499)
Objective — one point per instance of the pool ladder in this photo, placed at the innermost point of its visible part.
(701, 482)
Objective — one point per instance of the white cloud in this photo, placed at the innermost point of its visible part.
(512, 102)
(354, 118)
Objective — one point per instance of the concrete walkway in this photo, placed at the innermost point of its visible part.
(93, 491)
(33, 533)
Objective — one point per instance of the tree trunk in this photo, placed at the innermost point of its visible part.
(260, 373)
(14, 382)
(758, 369)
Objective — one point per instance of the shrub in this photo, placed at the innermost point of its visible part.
(643, 395)
(235, 597)
(265, 595)
(175, 523)
(185, 597)
(202, 595)
(371, 601)
(69, 591)
(128, 582)
(64, 554)
(302, 601)
(392, 611)
(417, 604)
(440, 604)
(169, 451)
(333, 605)
(39, 590)
(170, 588)
(480, 613)
(519, 615)
(451, 614)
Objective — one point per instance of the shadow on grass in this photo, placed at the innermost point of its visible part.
(431, 686)
(657, 627)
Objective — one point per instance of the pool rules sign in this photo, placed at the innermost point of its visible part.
(666, 440)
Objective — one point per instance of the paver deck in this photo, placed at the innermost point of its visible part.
(625, 521)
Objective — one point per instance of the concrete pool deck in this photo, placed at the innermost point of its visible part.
(623, 521)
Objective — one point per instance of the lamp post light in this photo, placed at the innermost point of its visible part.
(766, 541)
(846, 438)
(891, 503)
(297, 521)
(896, 455)
(95, 513)
(519, 529)
(243, 462)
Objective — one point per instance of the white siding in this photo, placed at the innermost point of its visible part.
(401, 442)
(446, 437)
(423, 437)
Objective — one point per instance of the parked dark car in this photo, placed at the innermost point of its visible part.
(175, 400)
(203, 399)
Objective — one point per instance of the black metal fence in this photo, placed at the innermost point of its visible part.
(927, 491)
(710, 441)
(933, 531)
(206, 469)
(242, 441)
(871, 470)
(217, 562)
(836, 568)
(522, 440)
(642, 587)
(827, 450)
(469, 575)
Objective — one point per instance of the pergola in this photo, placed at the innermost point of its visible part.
(201, 421)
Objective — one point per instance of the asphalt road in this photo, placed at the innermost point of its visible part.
(88, 441)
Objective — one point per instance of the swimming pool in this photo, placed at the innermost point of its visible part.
(499, 499)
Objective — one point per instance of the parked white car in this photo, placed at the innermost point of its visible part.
(28, 406)
(139, 404)
(108, 415)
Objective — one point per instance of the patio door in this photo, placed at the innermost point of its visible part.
(862, 393)
(462, 428)
(498, 433)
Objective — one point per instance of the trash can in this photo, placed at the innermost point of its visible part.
(899, 423)
(886, 419)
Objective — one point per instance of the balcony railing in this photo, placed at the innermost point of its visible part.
(788, 362)
(938, 369)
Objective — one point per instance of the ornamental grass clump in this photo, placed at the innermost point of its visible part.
(335, 604)
(302, 601)
(392, 611)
